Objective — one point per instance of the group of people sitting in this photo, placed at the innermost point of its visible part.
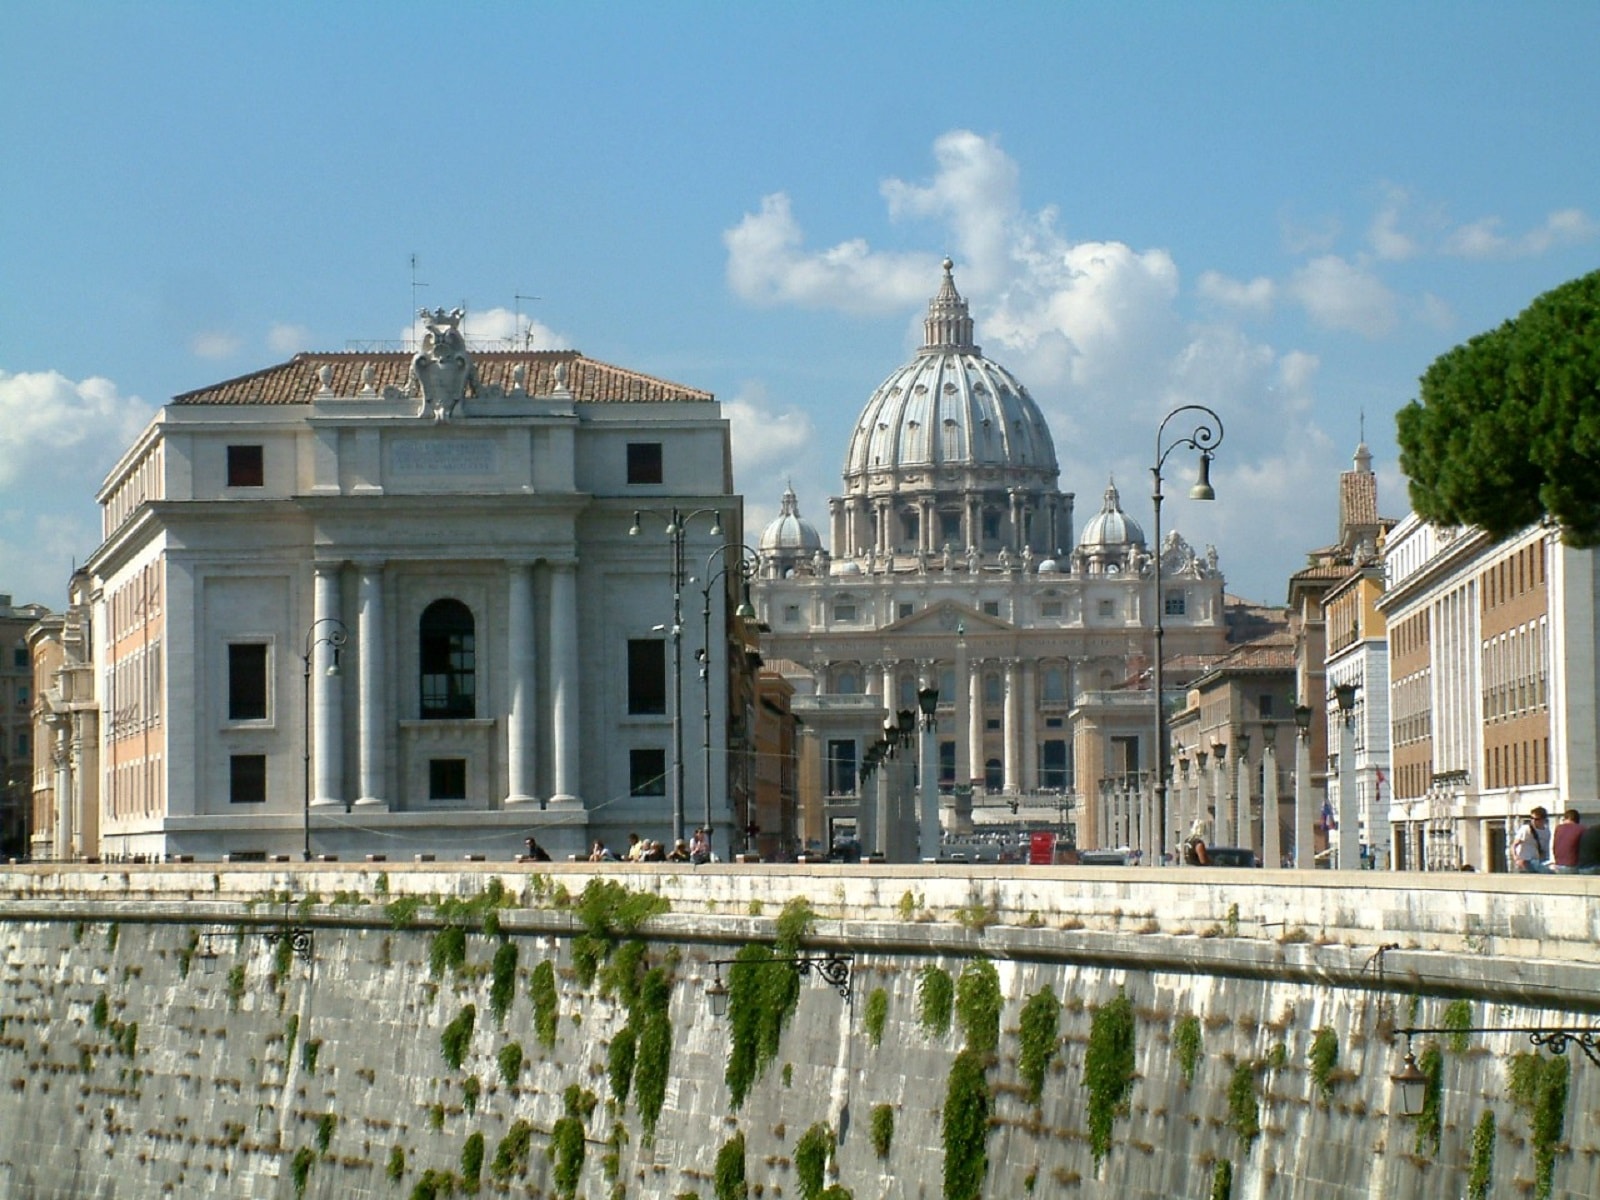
(696, 850)
(1571, 848)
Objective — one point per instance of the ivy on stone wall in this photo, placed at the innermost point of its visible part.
(620, 1057)
(1431, 1118)
(811, 1155)
(1039, 1031)
(876, 1016)
(1457, 1018)
(511, 1155)
(510, 1062)
(1324, 1058)
(503, 981)
(542, 991)
(1538, 1086)
(762, 996)
(1244, 1107)
(728, 1177)
(457, 1036)
(1222, 1180)
(935, 1000)
(1186, 1044)
(978, 1003)
(447, 951)
(965, 1128)
(1480, 1172)
(1108, 1068)
(472, 1161)
(882, 1123)
(567, 1141)
(654, 1060)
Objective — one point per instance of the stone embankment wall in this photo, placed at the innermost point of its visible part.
(266, 1032)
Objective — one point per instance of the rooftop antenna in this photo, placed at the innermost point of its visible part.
(1363, 424)
(517, 331)
(412, 328)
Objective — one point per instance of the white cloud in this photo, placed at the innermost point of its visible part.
(214, 343)
(1255, 297)
(284, 338)
(766, 440)
(1338, 294)
(58, 428)
(1482, 238)
(975, 190)
(1388, 241)
(767, 265)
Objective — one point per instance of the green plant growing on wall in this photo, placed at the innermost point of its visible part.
(326, 1124)
(622, 974)
(472, 1161)
(1039, 1032)
(503, 981)
(762, 996)
(300, 1168)
(1187, 1042)
(235, 986)
(282, 958)
(100, 1012)
(470, 1091)
(654, 1058)
(811, 1155)
(308, 1054)
(448, 951)
(113, 932)
(291, 1033)
(1430, 1119)
(608, 912)
(728, 1175)
(402, 911)
(1244, 1108)
(542, 991)
(1538, 1087)
(186, 954)
(511, 1155)
(1324, 1058)
(910, 902)
(567, 1141)
(1222, 1180)
(965, 1128)
(1457, 1018)
(436, 1116)
(978, 1003)
(1480, 1171)
(1108, 1067)
(510, 1062)
(457, 1036)
(935, 1000)
(396, 1166)
(882, 1129)
(620, 1062)
(1231, 921)
(793, 924)
(433, 1185)
(876, 1015)
(611, 1160)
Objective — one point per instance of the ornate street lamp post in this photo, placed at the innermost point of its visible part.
(928, 704)
(677, 530)
(1349, 815)
(1305, 842)
(744, 566)
(1207, 436)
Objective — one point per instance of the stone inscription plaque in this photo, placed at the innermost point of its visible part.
(444, 456)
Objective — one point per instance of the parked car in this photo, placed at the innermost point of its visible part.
(1231, 856)
(1103, 858)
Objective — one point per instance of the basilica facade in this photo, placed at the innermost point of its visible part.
(955, 563)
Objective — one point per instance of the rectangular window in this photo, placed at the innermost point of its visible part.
(1264, 706)
(647, 772)
(246, 467)
(447, 779)
(19, 657)
(644, 462)
(1050, 608)
(841, 767)
(247, 681)
(947, 763)
(647, 676)
(791, 614)
(991, 608)
(1124, 756)
(1053, 764)
(844, 611)
(904, 609)
(247, 779)
(1174, 606)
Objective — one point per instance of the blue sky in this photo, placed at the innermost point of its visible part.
(1285, 211)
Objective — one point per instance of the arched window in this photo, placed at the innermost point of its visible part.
(994, 776)
(1055, 683)
(445, 647)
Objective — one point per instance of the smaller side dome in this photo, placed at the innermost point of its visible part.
(789, 541)
(1111, 527)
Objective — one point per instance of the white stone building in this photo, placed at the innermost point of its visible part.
(375, 604)
(954, 564)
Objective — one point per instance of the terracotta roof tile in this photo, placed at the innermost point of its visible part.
(590, 381)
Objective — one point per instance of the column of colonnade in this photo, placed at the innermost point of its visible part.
(375, 709)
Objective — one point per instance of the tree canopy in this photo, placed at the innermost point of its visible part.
(1507, 429)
